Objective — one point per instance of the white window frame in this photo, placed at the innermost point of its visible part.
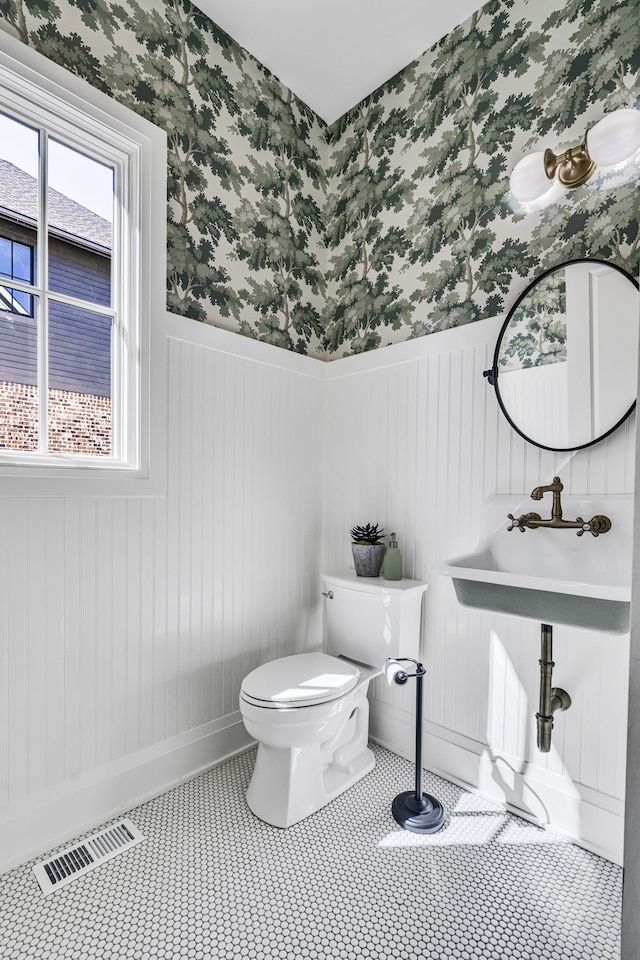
(45, 96)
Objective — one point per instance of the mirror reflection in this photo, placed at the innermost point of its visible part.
(566, 362)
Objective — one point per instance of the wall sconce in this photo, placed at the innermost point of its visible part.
(611, 141)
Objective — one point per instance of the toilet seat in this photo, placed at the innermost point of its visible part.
(301, 680)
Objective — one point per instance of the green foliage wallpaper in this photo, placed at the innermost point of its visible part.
(397, 221)
(246, 178)
(420, 171)
(537, 332)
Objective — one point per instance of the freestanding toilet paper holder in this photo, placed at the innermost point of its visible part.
(414, 810)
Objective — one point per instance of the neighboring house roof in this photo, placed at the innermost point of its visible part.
(67, 219)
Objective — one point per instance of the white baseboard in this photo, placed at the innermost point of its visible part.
(36, 824)
(593, 820)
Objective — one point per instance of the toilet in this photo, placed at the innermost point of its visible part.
(309, 712)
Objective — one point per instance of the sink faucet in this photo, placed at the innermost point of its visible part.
(556, 488)
(597, 525)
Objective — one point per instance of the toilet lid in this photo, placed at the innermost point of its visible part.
(300, 680)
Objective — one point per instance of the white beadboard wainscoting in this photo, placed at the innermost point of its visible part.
(415, 441)
(128, 622)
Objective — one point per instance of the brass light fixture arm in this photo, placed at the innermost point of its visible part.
(611, 141)
(574, 166)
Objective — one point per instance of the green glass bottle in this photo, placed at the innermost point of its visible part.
(392, 564)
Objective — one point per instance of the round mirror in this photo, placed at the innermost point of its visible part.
(565, 367)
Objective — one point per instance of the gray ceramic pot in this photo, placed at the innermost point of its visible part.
(367, 558)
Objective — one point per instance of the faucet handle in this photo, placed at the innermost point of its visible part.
(521, 523)
(597, 525)
(516, 523)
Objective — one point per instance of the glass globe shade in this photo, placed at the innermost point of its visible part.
(615, 138)
(528, 180)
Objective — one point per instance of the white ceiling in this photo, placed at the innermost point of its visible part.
(332, 53)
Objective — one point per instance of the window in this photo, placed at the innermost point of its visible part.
(16, 263)
(64, 200)
(81, 224)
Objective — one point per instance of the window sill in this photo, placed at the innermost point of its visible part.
(47, 482)
(35, 477)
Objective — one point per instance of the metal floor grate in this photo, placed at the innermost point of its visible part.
(60, 870)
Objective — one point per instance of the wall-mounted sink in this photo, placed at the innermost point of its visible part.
(549, 575)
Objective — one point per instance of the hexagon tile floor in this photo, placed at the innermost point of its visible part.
(212, 881)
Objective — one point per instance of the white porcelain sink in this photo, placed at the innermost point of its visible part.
(548, 575)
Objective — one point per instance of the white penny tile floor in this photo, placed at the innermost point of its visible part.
(212, 881)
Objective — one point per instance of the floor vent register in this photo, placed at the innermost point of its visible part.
(58, 871)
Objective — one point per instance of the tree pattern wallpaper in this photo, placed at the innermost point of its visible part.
(245, 157)
(537, 331)
(519, 75)
(396, 221)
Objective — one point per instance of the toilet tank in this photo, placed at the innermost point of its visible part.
(369, 619)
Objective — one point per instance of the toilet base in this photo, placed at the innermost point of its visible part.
(418, 816)
(289, 785)
(326, 753)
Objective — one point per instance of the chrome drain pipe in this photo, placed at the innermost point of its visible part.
(551, 698)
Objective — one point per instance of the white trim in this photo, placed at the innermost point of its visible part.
(444, 341)
(234, 344)
(227, 341)
(114, 482)
(40, 92)
(42, 273)
(64, 812)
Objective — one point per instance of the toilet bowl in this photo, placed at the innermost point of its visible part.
(310, 715)
(309, 712)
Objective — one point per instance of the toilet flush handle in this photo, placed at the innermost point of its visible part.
(328, 594)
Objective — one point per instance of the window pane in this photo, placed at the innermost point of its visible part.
(5, 257)
(80, 418)
(80, 210)
(18, 377)
(19, 149)
(16, 264)
(16, 302)
(23, 303)
(22, 263)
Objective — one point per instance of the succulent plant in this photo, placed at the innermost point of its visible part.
(367, 534)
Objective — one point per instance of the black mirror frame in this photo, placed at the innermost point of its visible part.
(492, 375)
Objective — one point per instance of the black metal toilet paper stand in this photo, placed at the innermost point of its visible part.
(414, 810)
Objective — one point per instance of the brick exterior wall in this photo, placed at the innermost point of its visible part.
(78, 422)
(18, 416)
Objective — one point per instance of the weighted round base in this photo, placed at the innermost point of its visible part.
(418, 816)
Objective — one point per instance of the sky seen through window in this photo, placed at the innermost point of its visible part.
(71, 173)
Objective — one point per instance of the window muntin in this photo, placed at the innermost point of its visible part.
(69, 205)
